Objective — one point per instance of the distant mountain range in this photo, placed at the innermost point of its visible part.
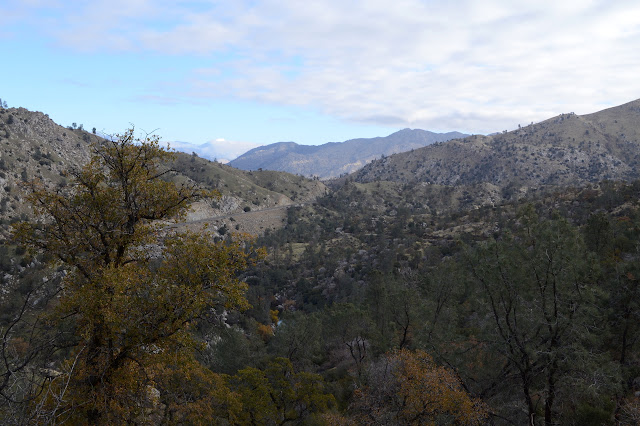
(568, 149)
(335, 158)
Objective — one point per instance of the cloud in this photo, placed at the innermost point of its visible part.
(439, 65)
(219, 149)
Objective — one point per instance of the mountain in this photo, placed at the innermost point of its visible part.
(417, 255)
(32, 146)
(335, 158)
(568, 149)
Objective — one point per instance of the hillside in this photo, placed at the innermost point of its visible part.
(32, 146)
(358, 282)
(251, 201)
(336, 158)
(568, 149)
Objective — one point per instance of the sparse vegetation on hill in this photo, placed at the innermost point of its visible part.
(122, 312)
(32, 146)
(258, 189)
(497, 296)
(564, 150)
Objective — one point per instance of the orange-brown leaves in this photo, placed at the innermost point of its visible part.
(409, 388)
(132, 296)
(209, 268)
(105, 216)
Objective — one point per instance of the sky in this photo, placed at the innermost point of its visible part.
(236, 74)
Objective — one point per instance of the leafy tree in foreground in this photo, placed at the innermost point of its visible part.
(132, 309)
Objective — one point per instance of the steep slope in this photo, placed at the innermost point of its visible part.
(564, 150)
(335, 158)
(244, 191)
(32, 146)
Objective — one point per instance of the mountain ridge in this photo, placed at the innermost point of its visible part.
(567, 149)
(333, 159)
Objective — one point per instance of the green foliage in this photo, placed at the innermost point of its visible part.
(233, 350)
(540, 290)
(532, 308)
(278, 394)
(298, 337)
(131, 309)
(563, 282)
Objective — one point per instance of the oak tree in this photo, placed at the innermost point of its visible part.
(279, 395)
(132, 288)
(409, 388)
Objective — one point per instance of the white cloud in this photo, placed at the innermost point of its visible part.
(440, 65)
(219, 149)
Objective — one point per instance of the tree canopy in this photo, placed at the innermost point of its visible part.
(132, 289)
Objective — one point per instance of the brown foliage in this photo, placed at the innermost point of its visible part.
(132, 310)
(408, 387)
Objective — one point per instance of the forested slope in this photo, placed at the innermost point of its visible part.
(376, 302)
(534, 304)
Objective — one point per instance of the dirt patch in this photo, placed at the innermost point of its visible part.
(252, 222)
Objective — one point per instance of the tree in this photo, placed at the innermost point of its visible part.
(112, 210)
(394, 307)
(298, 337)
(132, 289)
(348, 328)
(618, 249)
(540, 290)
(27, 342)
(408, 388)
(279, 395)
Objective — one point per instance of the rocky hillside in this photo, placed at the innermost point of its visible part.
(565, 150)
(336, 158)
(32, 146)
(244, 192)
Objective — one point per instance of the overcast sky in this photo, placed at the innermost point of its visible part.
(257, 72)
